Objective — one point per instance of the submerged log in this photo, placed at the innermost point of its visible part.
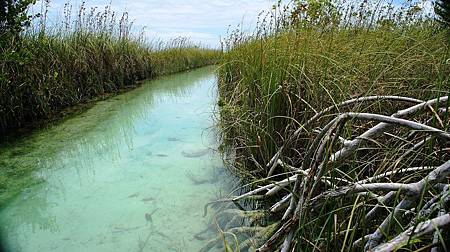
(323, 175)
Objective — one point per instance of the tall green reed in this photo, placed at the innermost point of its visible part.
(307, 56)
(90, 53)
(311, 54)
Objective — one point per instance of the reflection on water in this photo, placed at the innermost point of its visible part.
(131, 174)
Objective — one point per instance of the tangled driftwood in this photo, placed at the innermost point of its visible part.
(245, 228)
(384, 148)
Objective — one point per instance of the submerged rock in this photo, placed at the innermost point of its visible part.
(195, 154)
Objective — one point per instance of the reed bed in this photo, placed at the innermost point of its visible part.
(92, 52)
(297, 98)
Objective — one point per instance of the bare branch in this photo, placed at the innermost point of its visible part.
(423, 229)
(389, 173)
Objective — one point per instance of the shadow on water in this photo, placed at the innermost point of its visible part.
(131, 173)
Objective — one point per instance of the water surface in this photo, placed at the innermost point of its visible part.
(130, 174)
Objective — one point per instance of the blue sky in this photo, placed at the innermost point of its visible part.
(200, 20)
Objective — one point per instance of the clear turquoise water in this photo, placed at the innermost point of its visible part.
(133, 173)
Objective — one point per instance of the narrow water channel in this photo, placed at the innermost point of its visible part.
(132, 173)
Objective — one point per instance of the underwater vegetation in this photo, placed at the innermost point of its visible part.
(91, 53)
(95, 172)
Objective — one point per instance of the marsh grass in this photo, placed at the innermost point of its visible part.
(311, 55)
(90, 53)
(274, 80)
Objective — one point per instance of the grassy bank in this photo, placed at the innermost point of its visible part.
(302, 59)
(272, 85)
(47, 69)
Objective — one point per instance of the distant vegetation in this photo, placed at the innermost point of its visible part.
(309, 57)
(91, 53)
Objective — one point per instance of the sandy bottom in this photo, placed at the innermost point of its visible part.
(131, 174)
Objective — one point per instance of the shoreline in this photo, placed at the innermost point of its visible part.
(11, 135)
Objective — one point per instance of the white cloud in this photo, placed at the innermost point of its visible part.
(201, 20)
